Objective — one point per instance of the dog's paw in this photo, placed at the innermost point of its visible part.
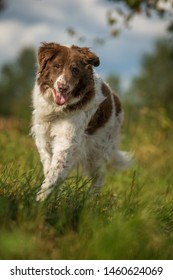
(41, 195)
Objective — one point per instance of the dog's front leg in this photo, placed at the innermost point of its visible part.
(42, 141)
(62, 162)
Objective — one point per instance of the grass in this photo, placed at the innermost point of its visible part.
(132, 218)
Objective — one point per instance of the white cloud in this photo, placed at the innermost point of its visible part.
(14, 36)
(150, 27)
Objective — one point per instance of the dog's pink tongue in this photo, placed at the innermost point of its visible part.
(59, 98)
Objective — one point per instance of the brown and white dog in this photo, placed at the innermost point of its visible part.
(76, 116)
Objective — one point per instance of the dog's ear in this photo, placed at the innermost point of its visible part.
(46, 52)
(88, 57)
(91, 58)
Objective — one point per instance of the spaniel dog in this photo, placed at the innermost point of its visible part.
(76, 116)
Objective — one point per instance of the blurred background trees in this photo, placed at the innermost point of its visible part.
(124, 10)
(16, 82)
(153, 87)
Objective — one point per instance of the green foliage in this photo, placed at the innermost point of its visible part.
(132, 218)
(16, 81)
(154, 85)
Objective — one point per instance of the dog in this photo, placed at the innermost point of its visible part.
(76, 117)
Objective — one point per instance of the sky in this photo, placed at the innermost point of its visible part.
(27, 23)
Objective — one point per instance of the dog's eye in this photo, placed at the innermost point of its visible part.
(75, 70)
(57, 66)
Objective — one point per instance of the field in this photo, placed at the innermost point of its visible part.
(132, 218)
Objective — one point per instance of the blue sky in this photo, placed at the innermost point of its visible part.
(27, 23)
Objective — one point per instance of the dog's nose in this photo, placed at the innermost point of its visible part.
(63, 87)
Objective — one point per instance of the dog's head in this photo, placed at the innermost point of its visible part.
(64, 70)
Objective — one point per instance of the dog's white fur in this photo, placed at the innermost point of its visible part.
(62, 140)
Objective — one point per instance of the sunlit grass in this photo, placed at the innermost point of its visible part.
(132, 218)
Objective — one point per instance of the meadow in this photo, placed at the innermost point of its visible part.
(132, 218)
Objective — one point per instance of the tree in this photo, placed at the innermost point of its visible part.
(154, 86)
(126, 9)
(119, 16)
(16, 81)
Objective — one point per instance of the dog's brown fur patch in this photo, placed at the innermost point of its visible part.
(117, 103)
(103, 112)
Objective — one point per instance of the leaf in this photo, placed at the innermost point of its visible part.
(71, 31)
(115, 32)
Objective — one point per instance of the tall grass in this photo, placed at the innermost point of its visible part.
(132, 218)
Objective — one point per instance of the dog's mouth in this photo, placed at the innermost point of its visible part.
(60, 98)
